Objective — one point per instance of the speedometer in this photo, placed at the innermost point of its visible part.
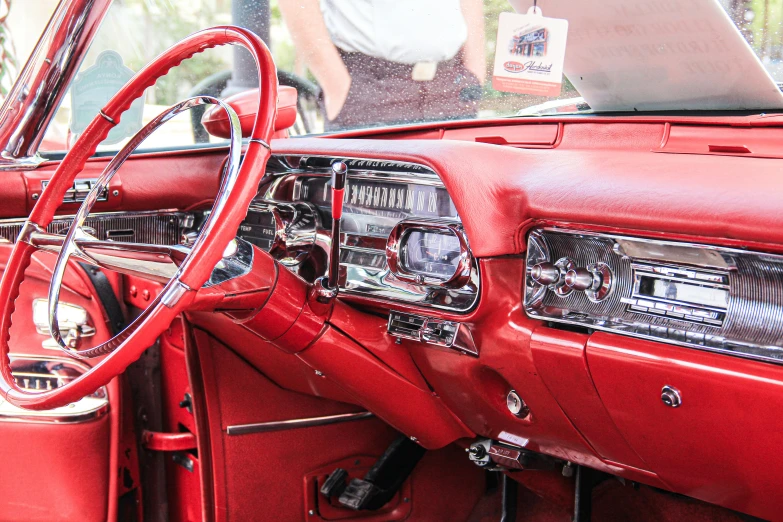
(431, 254)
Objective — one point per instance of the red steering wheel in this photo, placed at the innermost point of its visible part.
(193, 268)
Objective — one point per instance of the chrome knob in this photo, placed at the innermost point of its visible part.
(516, 405)
(671, 396)
(545, 273)
(581, 279)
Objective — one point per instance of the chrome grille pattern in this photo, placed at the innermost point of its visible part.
(155, 228)
(753, 325)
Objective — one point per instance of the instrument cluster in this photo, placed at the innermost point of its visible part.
(401, 237)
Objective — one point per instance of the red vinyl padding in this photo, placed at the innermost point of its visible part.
(215, 120)
(54, 472)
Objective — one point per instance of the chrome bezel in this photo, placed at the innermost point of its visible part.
(396, 243)
(732, 338)
(363, 281)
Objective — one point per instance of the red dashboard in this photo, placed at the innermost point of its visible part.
(592, 396)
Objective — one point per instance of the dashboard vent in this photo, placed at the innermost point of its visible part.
(432, 331)
(405, 325)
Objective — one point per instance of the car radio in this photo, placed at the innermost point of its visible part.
(679, 292)
(700, 296)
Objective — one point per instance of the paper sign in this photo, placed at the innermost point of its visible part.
(626, 55)
(529, 54)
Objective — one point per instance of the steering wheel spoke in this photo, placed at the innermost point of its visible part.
(157, 263)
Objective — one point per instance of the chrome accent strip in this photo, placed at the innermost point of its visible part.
(44, 80)
(174, 292)
(28, 229)
(107, 117)
(265, 427)
(260, 142)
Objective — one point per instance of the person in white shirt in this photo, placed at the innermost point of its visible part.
(391, 61)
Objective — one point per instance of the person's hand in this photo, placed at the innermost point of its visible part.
(335, 96)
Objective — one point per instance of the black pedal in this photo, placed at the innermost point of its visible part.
(384, 480)
(334, 485)
(359, 495)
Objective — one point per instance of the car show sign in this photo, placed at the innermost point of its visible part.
(94, 87)
(529, 53)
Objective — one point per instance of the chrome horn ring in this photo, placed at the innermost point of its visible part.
(174, 289)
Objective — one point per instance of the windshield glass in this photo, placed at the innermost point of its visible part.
(367, 63)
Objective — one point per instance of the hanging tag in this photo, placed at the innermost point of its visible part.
(529, 53)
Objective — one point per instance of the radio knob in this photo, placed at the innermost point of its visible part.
(582, 279)
(545, 273)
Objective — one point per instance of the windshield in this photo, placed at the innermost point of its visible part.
(366, 63)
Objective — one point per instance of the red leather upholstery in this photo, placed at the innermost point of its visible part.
(55, 472)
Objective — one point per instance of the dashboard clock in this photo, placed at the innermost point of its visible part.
(429, 252)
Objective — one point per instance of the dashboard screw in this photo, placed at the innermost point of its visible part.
(115, 193)
(35, 196)
(134, 291)
(145, 294)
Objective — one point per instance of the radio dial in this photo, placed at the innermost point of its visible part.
(582, 279)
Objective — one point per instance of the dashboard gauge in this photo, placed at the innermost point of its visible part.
(285, 230)
(259, 229)
(431, 254)
(379, 197)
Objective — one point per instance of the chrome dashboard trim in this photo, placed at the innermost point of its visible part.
(86, 409)
(163, 227)
(753, 326)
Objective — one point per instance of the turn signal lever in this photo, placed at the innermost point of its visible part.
(325, 288)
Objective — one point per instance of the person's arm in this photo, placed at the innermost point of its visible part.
(311, 38)
(475, 49)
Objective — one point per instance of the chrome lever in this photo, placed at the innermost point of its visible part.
(339, 176)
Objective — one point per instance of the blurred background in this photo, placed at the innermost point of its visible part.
(141, 29)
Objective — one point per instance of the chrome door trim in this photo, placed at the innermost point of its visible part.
(265, 427)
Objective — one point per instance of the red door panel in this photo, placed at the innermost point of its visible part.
(262, 476)
(722, 444)
(57, 471)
